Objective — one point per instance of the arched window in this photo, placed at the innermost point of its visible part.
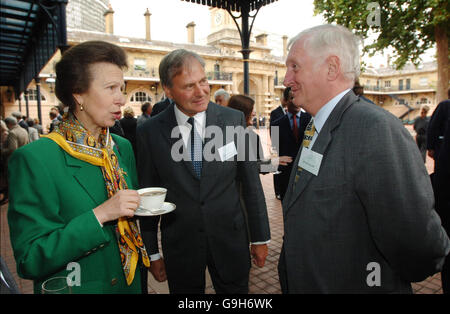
(140, 97)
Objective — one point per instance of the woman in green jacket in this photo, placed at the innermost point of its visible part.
(72, 200)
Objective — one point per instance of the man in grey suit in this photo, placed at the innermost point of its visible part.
(358, 213)
(209, 227)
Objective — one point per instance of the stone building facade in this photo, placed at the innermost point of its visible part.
(224, 68)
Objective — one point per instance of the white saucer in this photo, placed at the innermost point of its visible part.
(165, 208)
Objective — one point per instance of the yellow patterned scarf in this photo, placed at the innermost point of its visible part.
(71, 136)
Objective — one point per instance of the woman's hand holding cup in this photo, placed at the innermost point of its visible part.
(123, 203)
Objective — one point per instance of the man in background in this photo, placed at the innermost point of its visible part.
(291, 128)
(421, 126)
(221, 97)
(146, 109)
(439, 145)
(276, 114)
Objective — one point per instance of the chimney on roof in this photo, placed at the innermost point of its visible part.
(285, 43)
(191, 32)
(147, 25)
(109, 21)
(262, 39)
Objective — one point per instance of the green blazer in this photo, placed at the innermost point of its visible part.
(51, 219)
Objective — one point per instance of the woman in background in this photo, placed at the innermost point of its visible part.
(246, 105)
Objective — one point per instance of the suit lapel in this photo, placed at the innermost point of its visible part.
(320, 146)
(169, 123)
(209, 168)
(84, 173)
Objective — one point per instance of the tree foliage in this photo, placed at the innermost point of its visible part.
(408, 26)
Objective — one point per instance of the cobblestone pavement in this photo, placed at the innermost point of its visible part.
(262, 280)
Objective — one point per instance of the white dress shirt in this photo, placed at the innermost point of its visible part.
(322, 116)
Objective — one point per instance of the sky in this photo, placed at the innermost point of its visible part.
(170, 17)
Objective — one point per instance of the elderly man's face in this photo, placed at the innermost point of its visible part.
(190, 89)
(220, 100)
(305, 75)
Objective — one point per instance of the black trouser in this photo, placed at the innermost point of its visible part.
(221, 285)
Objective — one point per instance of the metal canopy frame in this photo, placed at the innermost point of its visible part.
(31, 31)
(244, 7)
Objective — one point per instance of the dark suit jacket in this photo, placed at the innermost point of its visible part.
(441, 176)
(275, 114)
(208, 216)
(372, 202)
(436, 127)
(23, 124)
(128, 125)
(160, 107)
(288, 146)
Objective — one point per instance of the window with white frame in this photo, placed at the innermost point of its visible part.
(140, 97)
(32, 95)
(140, 64)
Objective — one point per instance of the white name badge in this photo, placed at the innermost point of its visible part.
(227, 151)
(310, 161)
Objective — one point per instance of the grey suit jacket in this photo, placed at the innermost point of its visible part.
(372, 202)
(208, 212)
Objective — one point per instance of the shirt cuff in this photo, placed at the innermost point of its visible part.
(260, 242)
(155, 257)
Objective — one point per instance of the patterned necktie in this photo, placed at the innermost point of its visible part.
(307, 138)
(196, 149)
(295, 128)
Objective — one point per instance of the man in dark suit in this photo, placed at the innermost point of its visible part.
(358, 212)
(436, 128)
(160, 106)
(280, 111)
(276, 114)
(439, 135)
(208, 228)
(291, 127)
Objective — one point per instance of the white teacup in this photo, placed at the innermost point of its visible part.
(152, 198)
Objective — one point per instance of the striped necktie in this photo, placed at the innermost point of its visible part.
(196, 149)
(307, 138)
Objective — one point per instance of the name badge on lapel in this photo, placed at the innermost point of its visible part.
(227, 151)
(310, 161)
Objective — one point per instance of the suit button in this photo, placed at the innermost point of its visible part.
(113, 281)
(202, 203)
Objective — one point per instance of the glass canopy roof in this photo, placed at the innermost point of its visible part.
(30, 33)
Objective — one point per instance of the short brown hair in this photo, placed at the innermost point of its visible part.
(242, 103)
(73, 75)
